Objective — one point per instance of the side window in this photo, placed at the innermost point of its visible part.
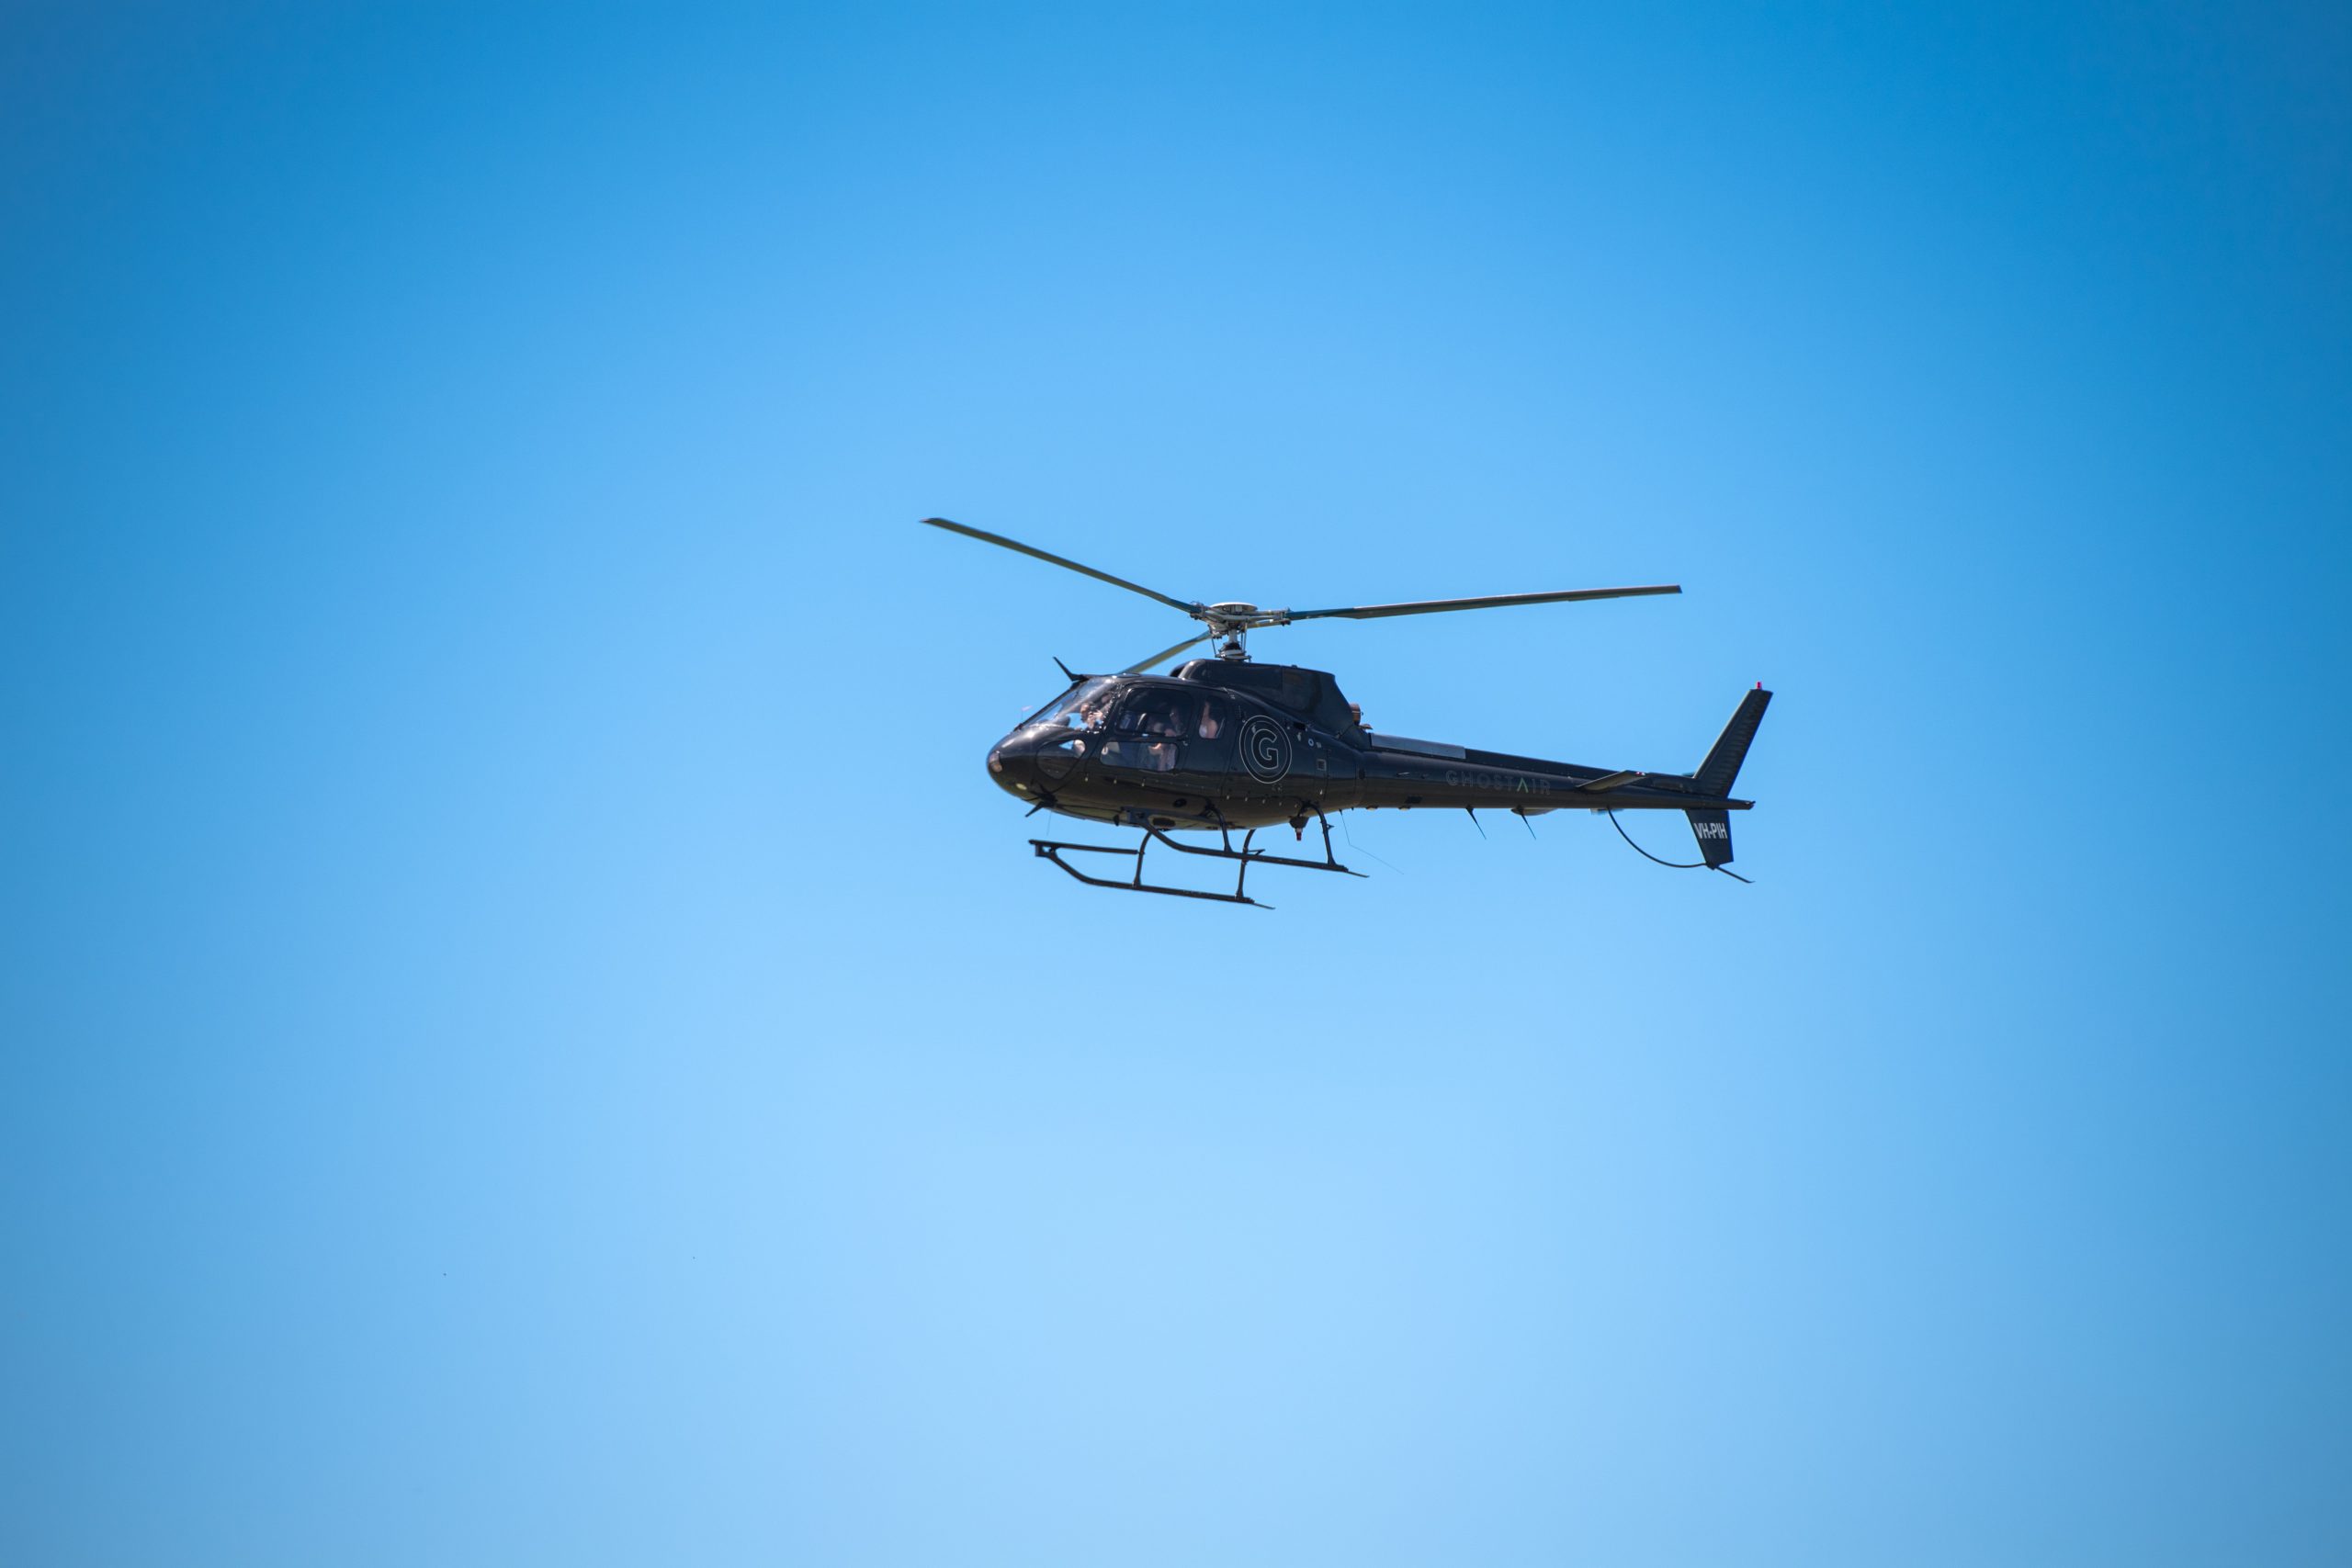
(1211, 718)
(1154, 712)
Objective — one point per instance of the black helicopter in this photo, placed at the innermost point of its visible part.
(1227, 744)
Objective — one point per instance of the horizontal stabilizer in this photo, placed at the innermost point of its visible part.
(1610, 780)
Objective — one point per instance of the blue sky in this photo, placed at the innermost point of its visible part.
(529, 1036)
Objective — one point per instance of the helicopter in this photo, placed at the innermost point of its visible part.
(1226, 744)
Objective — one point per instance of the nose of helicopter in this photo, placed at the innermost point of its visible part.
(1031, 764)
(1012, 773)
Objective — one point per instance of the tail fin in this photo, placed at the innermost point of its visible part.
(1717, 773)
(1721, 766)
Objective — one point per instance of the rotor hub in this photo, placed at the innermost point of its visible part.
(1228, 623)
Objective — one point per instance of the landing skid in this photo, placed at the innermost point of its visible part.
(1245, 856)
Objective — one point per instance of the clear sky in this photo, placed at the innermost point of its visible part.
(527, 1036)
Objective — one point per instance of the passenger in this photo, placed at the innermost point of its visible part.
(1208, 727)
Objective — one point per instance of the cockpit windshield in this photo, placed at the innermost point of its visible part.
(1080, 708)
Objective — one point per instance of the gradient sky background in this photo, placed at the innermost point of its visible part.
(528, 1036)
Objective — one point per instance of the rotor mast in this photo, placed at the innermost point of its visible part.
(1231, 624)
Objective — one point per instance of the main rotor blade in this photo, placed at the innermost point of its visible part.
(988, 538)
(1166, 654)
(1496, 601)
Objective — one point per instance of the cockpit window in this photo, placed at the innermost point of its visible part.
(1080, 708)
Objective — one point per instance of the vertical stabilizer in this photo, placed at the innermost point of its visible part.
(1720, 771)
(1716, 775)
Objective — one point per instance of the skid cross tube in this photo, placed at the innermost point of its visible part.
(1048, 850)
(1244, 858)
(1260, 857)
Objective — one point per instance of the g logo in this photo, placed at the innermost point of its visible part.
(1265, 750)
